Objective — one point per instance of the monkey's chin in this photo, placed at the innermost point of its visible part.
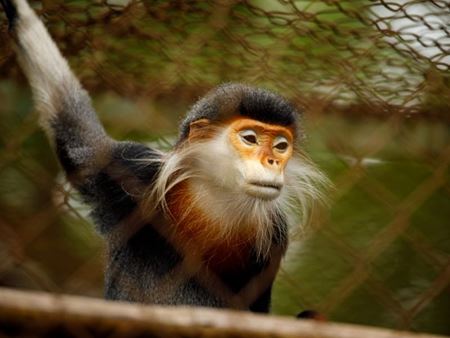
(264, 191)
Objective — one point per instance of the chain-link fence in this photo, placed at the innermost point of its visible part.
(373, 80)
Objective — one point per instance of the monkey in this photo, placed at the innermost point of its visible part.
(203, 224)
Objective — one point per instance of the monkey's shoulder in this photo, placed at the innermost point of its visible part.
(116, 190)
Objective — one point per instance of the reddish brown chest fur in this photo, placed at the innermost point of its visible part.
(195, 233)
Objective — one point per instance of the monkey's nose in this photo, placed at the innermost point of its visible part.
(272, 162)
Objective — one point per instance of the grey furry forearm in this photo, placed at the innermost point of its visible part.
(65, 110)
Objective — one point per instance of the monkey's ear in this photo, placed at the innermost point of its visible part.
(199, 129)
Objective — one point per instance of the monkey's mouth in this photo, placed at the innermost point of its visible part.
(262, 189)
(276, 186)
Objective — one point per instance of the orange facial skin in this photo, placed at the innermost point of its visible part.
(267, 137)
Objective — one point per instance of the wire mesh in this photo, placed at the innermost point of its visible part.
(373, 80)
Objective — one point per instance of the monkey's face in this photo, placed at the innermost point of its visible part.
(241, 156)
(263, 151)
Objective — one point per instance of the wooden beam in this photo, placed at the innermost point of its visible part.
(38, 314)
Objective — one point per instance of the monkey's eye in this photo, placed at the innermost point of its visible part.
(281, 144)
(248, 136)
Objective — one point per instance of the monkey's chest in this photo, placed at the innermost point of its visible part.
(231, 260)
(234, 265)
(231, 264)
(150, 269)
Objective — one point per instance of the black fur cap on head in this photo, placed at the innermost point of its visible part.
(233, 99)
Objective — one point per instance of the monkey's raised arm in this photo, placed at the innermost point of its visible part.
(64, 107)
(100, 168)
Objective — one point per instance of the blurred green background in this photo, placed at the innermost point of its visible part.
(376, 108)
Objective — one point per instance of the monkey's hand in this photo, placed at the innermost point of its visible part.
(11, 12)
